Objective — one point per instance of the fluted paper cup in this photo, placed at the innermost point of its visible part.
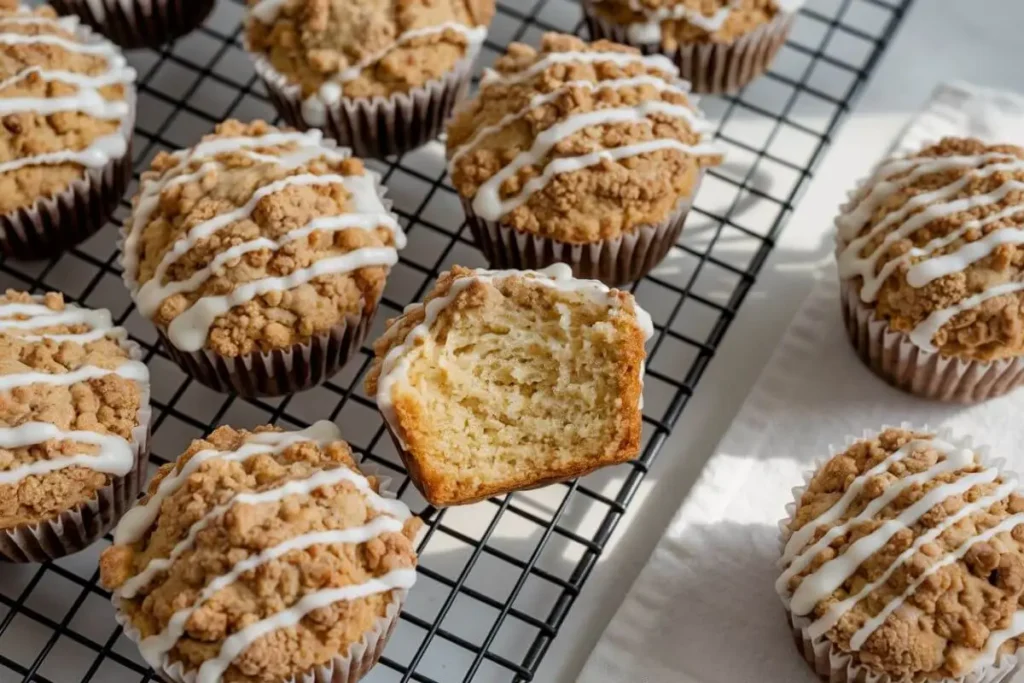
(710, 67)
(139, 23)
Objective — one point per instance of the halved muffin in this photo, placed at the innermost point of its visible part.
(506, 380)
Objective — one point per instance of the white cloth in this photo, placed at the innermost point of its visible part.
(704, 609)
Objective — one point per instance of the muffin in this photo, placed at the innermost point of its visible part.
(932, 270)
(586, 154)
(719, 45)
(68, 105)
(74, 425)
(260, 255)
(903, 560)
(262, 557)
(380, 78)
(507, 380)
(139, 23)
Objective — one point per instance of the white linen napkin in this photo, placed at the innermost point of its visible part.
(704, 608)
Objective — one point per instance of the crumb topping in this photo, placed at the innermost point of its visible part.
(261, 230)
(27, 133)
(676, 29)
(313, 41)
(107, 405)
(944, 625)
(242, 532)
(599, 200)
(949, 210)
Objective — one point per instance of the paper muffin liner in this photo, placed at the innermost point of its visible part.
(625, 258)
(710, 67)
(281, 371)
(892, 355)
(373, 127)
(827, 660)
(79, 527)
(139, 23)
(348, 668)
(60, 221)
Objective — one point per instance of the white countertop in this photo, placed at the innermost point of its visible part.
(940, 40)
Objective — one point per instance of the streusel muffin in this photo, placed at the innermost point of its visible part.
(505, 380)
(903, 561)
(139, 23)
(719, 45)
(68, 106)
(260, 255)
(378, 77)
(932, 270)
(74, 425)
(262, 557)
(586, 154)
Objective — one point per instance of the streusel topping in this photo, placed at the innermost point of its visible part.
(931, 241)
(908, 552)
(675, 22)
(366, 48)
(66, 123)
(257, 239)
(247, 534)
(70, 397)
(578, 141)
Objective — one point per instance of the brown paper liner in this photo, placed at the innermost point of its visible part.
(361, 657)
(58, 222)
(891, 355)
(826, 659)
(79, 527)
(710, 67)
(616, 261)
(376, 127)
(144, 23)
(278, 372)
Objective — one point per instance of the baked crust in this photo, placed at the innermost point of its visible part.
(744, 17)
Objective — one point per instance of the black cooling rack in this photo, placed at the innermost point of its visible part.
(497, 579)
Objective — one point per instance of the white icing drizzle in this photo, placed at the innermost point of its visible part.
(659, 84)
(835, 611)
(115, 455)
(488, 202)
(212, 669)
(395, 366)
(189, 330)
(139, 519)
(659, 62)
(955, 459)
(87, 100)
(391, 515)
(40, 316)
(918, 212)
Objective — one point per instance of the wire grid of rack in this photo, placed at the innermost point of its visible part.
(497, 579)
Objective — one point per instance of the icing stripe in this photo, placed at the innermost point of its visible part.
(115, 455)
(660, 62)
(923, 334)
(133, 370)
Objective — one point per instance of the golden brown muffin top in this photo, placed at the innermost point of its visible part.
(578, 141)
(679, 22)
(71, 122)
(366, 48)
(257, 239)
(248, 527)
(931, 241)
(63, 369)
(907, 552)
